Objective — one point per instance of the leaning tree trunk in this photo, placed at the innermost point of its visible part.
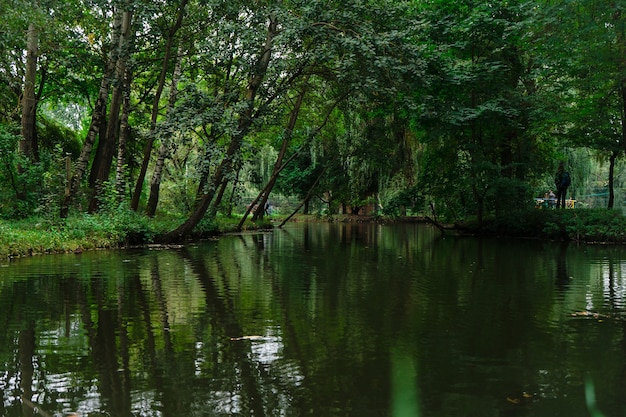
(245, 121)
(28, 143)
(134, 204)
(155, 182)
(266, 190)
(108, 142)
(305, 200)
(260, 211)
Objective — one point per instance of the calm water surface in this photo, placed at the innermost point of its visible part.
(318, 320)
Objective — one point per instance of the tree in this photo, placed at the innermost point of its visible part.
(478, 116)
(586, 49)
(97, 117)
(165, 66)
(155, 182)
(246, 118)
(28, 144)
(101, 167)
(279, 164)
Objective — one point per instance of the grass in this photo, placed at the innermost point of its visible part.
(77, 233)
(122, 228)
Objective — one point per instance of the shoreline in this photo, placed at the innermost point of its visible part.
(32, 238)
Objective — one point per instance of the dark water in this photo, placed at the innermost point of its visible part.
(318, 320)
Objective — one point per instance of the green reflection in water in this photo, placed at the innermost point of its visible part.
(404, 387)
(317, 320)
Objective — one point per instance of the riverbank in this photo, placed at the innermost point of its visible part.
(79, 233)
(35, 236)
(592, 226)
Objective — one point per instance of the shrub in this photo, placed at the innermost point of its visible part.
(582, 225)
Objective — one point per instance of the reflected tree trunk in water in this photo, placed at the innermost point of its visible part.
(221, 308)
(289, 330)
(164, 374)
(114, 385)
(162, 304)
(105, 357)
(173, 406)
(562, 276)
(123, 403)
(26, 354)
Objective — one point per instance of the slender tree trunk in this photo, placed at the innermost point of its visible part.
(155, 182)
(245, 121)
(306, 198)
(120, 174)
(108, 142)
(612, 159)
(233, 193)
(28, 144)
(218, 198)
(83, 160)
(134, 204)
(266, 190)
(621, 44)
(97, 118)
(260, 211)
(97, 157)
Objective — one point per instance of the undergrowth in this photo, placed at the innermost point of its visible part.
(122, 227)
(113, 228)
(580, 225)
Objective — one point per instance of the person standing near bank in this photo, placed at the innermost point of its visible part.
(562, 181)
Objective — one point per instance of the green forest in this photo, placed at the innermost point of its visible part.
(131, 113)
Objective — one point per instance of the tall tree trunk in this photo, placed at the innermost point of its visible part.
(120, 175)
(97, 117)
(134, 204)
(612, 159)
(245, 121)
(83, 159)
(260, 211)
(155, 182)
(621, 44)
(108, 142)
(28, 143)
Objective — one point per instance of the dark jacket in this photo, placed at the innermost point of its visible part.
(562, 179)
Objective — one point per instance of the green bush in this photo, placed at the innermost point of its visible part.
(28, 187)
(409, 200)
(582, 225)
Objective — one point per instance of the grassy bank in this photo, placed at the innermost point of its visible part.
(42, 235)
(126, 228)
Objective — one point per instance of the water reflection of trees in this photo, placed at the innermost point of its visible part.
(239, 327)
(106, 343)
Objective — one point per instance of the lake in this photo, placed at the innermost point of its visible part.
(318, 320)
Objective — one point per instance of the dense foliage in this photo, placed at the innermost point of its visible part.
(188, 109)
